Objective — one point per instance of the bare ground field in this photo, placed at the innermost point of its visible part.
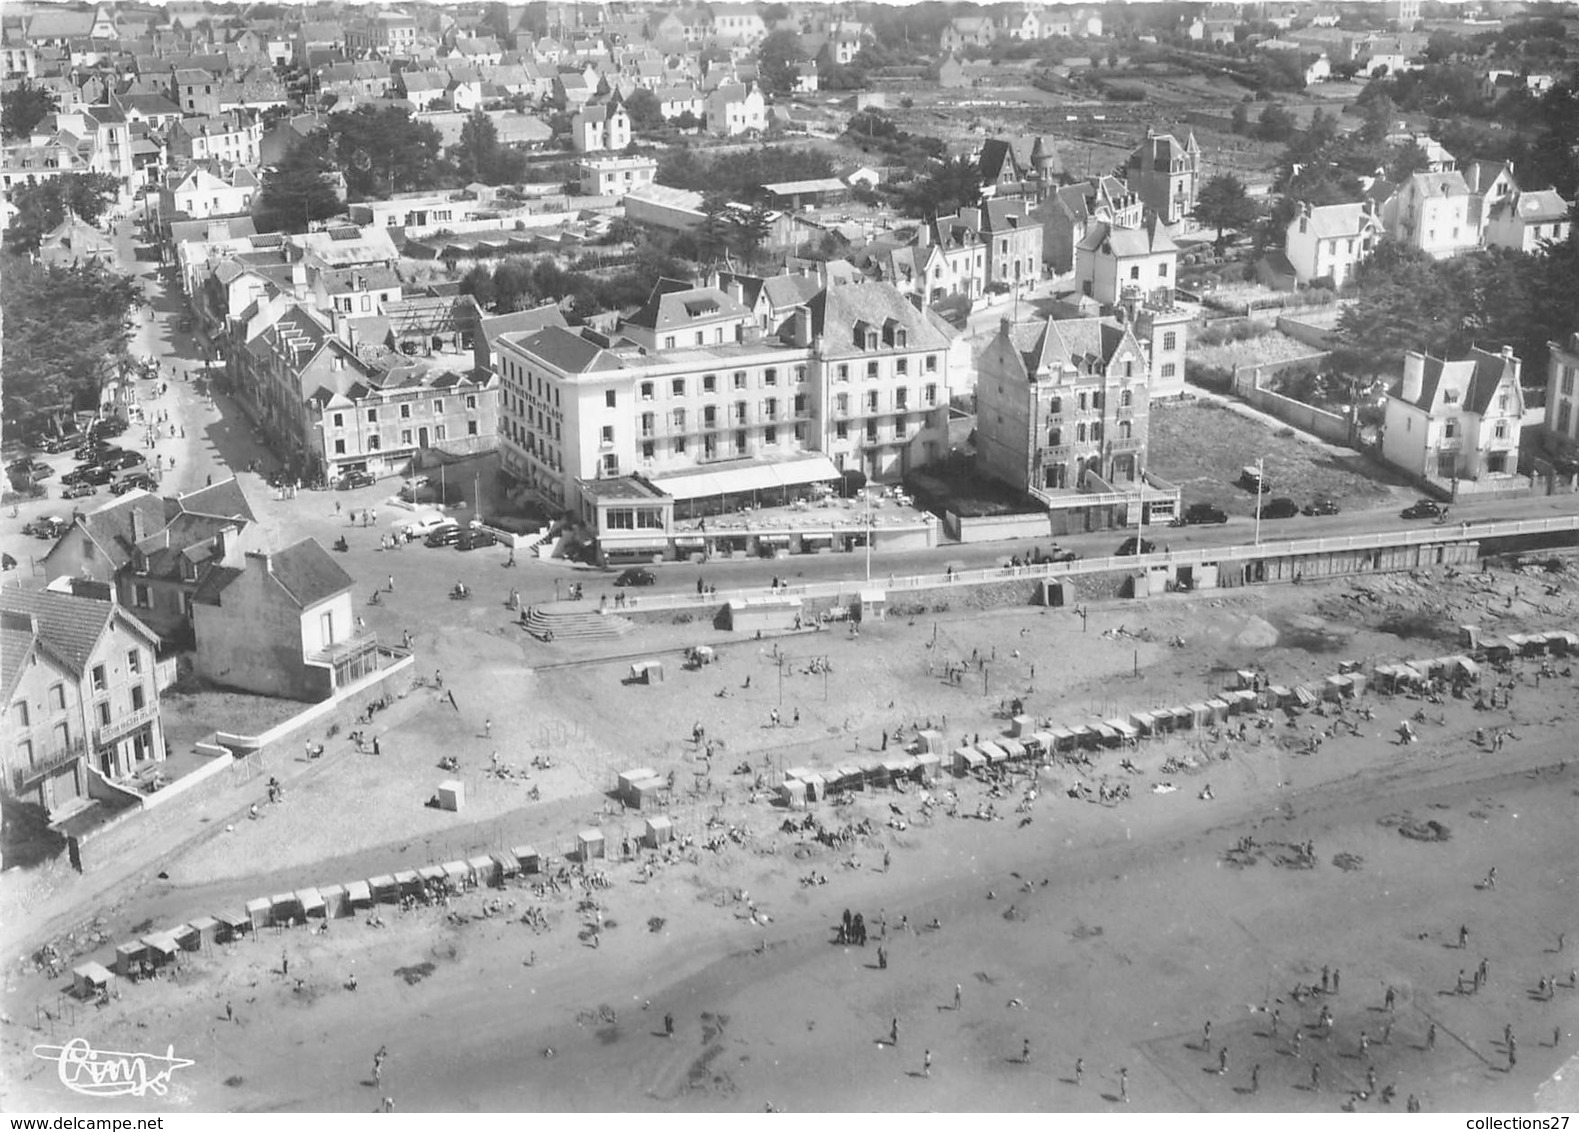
(1202, 448)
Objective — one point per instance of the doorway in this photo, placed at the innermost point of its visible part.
(422, 437)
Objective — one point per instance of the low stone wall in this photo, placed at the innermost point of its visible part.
(996, 528)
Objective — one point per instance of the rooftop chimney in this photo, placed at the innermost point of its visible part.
(1414, 376)
(137, 524)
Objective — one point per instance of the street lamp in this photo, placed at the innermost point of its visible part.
(1260, 479)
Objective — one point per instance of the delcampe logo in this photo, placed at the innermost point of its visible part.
(110, 1073)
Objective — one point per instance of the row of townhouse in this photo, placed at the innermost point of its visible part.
(855, 372)
(1029, 22)
(1442, 212)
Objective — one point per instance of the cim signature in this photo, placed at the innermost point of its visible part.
(109, 1073)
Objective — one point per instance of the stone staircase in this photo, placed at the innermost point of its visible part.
(575, 621)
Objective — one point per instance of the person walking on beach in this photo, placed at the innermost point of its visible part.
(956, 996)
(1080, 1070)
(893, 1032)
(1123, 1084)
(1255, 1079)
(1206, 1037)
(926, 1064)
(1222, 1061)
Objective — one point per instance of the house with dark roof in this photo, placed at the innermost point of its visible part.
(1329, 241)
(155, 552)
(81, 695)
(1166, 174)
(281, 623)
(1458, 419)
(1435, 213)
(1063, 405)
(1111, 262)
(1526, 220)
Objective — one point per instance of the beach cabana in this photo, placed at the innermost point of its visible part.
(792, 792)
(207, 929)
(409, 881)
(658, 831)
(647, 672)
(899, 769)
(359, 893)
(528, 858)
(312, 903)
(232, 925)
(1217, 709)
(847, 776)
(129, 958)
(1143, 721)
(929, 766)
(1183, 717)
(1014, 749)
(385, 890)
(967, 759)
(1021, 725)
(91, 980)
(508, 865)
(284, 908)
(995, 754)
(1127, 731)
(335, 903)
(258, 912)
(186, 937)
(457, 874)
(160, 948)
(928, 743)
(589, 845)
(484, 870)
(1064, 739)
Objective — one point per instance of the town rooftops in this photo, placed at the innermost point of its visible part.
(1476, 378)
(1537, 207)
(1332, 220)
(71, 623)
(307, 572)
(1054, 346)
(1149, 239)
(675, 304)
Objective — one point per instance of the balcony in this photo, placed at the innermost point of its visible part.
(23, 777)
(342, 651)
(1133, 444)
(125, 725)
(1449, 443)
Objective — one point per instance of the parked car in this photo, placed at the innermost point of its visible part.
(29, 469)
(444, 536)
(425, 526)
(78, 490)
(475, 537)
(50, 527)
(107, 426)
(1136, 545)
(1280, 508)
(55, 444)
(636, 576)
(1205, 513)
(1423, 509)
(119, 461)
(1254, 480)
(1321, 507)
(132, 483)
(352, 480)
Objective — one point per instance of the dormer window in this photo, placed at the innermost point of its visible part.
(188, 570)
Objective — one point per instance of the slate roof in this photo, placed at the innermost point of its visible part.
(224, 499)
(567, 350)
(308, 573)
(1329, 220)
(1538, 207)
(1049, 347)
(674, 304)
(70, 625)
(110, 526)
(1477, 377)
(519, 322)
(1149, 239)
(836, 310)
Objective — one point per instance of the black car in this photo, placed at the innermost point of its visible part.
(636, 576)
(1424, 509)
(1280, 508)
(474, 537)
(29, 469)
(1135, 545)
(1205, 513)
(119, 461)
(1321, 507)
(444, 536)
(54, 444)
(132, 483)
(108, 426)
(353, 480)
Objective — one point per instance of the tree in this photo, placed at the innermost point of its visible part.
(1275, 124)
(384, 150)
(478, 283)
(1223, 204)
(949, 187)
(776, 61)
(1241, 117)
(477, 153)
(43, 206)
(66, 330)
(300, 189)
(24, 107)
(645, 112)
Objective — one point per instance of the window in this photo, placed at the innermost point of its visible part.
(471, 428)
(740, 444)
(871, 371)
(871, 401)
(701, 338)
(1124, 430)
(843, 372)
(339, 420)
(438, 406)
(932, 363)
(104, 713)
(100, 678)
(374, 444)
(648, 449)
(405, 436)
(611, 465)
(405, 412)
(372, 416)
(770, 376)
(646, 390)
(1134, 272)
(608, 435)
(770, 435)
(901, 399)
(679, 445)
(142, 597)
(800, 375)
(710, 416)
(871, 432)
(901, 366)
(1096, 432)
(668, 342)
(677, 387)
(1162, 270)
(739, 379)
(740, 412)
(339, 448)
(1080, 433)
(1126, 399)
(608, 399)
(1054, 406)
(1502, 402)
(1501, 430)
(1084, 401)
(1170, 340)
(1169, 369)
(841, 431)
(57, 697)
(139, 697)
(1449, 429)
(1055, 438)
(1568, 381)
(19, 714)
(932, 394)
